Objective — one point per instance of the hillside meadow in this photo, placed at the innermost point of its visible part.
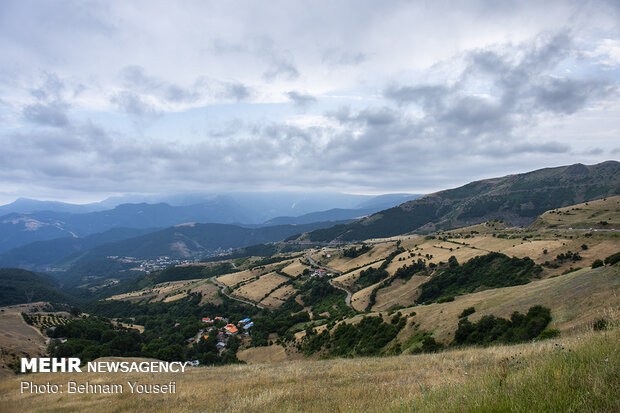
(574, 374)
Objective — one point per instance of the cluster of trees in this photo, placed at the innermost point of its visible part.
(366, 338)
(372, 276)
(569, 255)
(493, 270)
(407, 271)
(490, 329)
(321, 296)
(93, 337)
(354, 252)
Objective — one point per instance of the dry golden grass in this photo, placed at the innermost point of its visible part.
(345, 385)
(345, 264)
(172, 291)
(269, 354)
(360, 300)
(237, 277)
(440, 251)
(575, 300)
(401, 292)
(17, 339)
(258, 289)
(295, 268)
(278, 297)
(348, 279)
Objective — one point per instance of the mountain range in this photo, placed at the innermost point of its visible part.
(517, 199)
(25, 222)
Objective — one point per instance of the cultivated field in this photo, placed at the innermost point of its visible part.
(295, 268)
(172, 291)
(343, 264)
(257, 290)
(278, 297)
(237, 277)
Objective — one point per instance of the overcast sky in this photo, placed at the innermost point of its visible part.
(100, 98)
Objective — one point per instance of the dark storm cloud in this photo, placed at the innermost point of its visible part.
(301, 99)
(52, 114)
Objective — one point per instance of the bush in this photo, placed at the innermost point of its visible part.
(600, 324)
(548, 333)
(467, 311)
(446, 299)
(490, 329)
(597, 263)
(612, 259)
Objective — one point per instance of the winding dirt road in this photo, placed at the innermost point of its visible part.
(223, 290)
(347, 300)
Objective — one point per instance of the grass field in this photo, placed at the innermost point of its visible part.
(572, 374)
(602, 214)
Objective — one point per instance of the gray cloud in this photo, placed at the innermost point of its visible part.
(343, 58)
(446, 115)
(301, 99)
(52, 88)
(430, 97)
(133, 104)
(137, 82)
(281, 68)
(237, 91)
(518, 90)
(53, 114)
(567, 96)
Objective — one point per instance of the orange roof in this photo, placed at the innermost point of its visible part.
(233, 329)
(206, 337)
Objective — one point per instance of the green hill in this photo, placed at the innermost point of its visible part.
(19, 286)
(518, 199)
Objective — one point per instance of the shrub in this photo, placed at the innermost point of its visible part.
(467, 311)
(597, 263)
(549, 333)
(612, 259)
(600, 324)
(490, 329)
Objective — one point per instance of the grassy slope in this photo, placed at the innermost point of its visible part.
(527, 377)
(585, 215)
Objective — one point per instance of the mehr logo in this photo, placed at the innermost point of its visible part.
(72, 364)
(51, 365)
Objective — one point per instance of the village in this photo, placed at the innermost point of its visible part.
(222, 330)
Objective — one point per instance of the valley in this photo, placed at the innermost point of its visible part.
(415, 300)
